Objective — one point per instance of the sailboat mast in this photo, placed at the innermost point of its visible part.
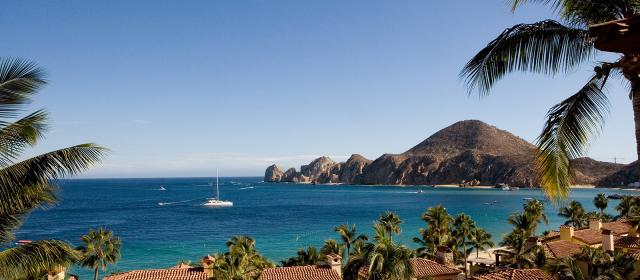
(217, 188)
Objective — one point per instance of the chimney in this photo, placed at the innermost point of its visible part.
(444, 256)
(207, 265)
(607, 240)
(566, 233)
(56, 274)
(532, 242)
(595, 224)
(335, 262)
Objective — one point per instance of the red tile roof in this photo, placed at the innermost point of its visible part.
(561, 249)
(515, 274)
(629, 242)
(588, 236)
(621, 226)
(421, 268)
(309, 272)
(160, 274)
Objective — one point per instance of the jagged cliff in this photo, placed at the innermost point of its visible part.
(465, 151)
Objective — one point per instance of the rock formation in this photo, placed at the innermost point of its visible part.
(467, 152)
(273, 174)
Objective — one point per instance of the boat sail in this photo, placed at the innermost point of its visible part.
(216, 202)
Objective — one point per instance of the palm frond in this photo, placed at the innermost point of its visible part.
(584, 13)
(545, 47)
(16, 136)
(40, 171)
(35, 259)
(19, 80)
(31, 197)
(566, 135)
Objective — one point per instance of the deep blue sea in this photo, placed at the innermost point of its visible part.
(281, 217)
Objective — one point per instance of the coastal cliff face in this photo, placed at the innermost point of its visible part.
(465, 151)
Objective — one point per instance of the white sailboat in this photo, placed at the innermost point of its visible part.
(216, 202)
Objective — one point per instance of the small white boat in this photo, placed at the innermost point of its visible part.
(527, 198)
(162, 188)
(506, 188)
(420, 191)
(216, 202)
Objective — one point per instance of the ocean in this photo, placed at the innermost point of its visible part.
(281, 217)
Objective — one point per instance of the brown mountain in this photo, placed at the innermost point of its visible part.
(465, 151)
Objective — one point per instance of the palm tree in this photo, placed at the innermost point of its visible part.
(307, 256)
(523, 222)
(349, 236)
(626, 205)
(575, 214)
(620, 266)
(601, 201)
(100, 249)
(463, 226)
(391, 222)
(241, 262)
(29, 184)
(521, 255)
(535, 209)
(331, 246)
(438, 220)
(384, 259)
(564, 269)
(436, 234)
(480, 240)
(551, 47)
(595, 258)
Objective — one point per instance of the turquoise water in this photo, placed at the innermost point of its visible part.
(281, 217)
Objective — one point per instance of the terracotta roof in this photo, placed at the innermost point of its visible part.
(629, 242)
(588, 236)
(308, 272)
(427, 268)
(621, 226)
(160, 274)
(561, 249)
(515, 274)
(421, 268)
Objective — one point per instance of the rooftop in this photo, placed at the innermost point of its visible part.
(308, 272)
(629, 242)
(423, 268)
(515, 274)
(160, 274)
(561, 249)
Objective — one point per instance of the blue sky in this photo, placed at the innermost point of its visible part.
(180, 88)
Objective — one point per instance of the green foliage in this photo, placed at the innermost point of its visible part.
(100, 248)
(349, 236)
(241, 261)
(437, 233)
(480, 240)
(307, 256)
(383, 258)
(332, 246)
(551, 47)
(601, 202)
(28, 184)
(575, 215)
(391, 223)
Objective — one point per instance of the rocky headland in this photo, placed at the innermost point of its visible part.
(466, 153)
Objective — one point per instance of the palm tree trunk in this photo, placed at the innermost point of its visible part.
(631, 70)
(635, 98)
(95, 274)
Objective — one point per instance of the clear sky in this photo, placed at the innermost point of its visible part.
(180, 88)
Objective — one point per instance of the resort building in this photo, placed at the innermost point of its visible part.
(515, 274)
(589, 236)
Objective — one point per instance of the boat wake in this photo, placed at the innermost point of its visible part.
(246, 188)
(177, 202)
